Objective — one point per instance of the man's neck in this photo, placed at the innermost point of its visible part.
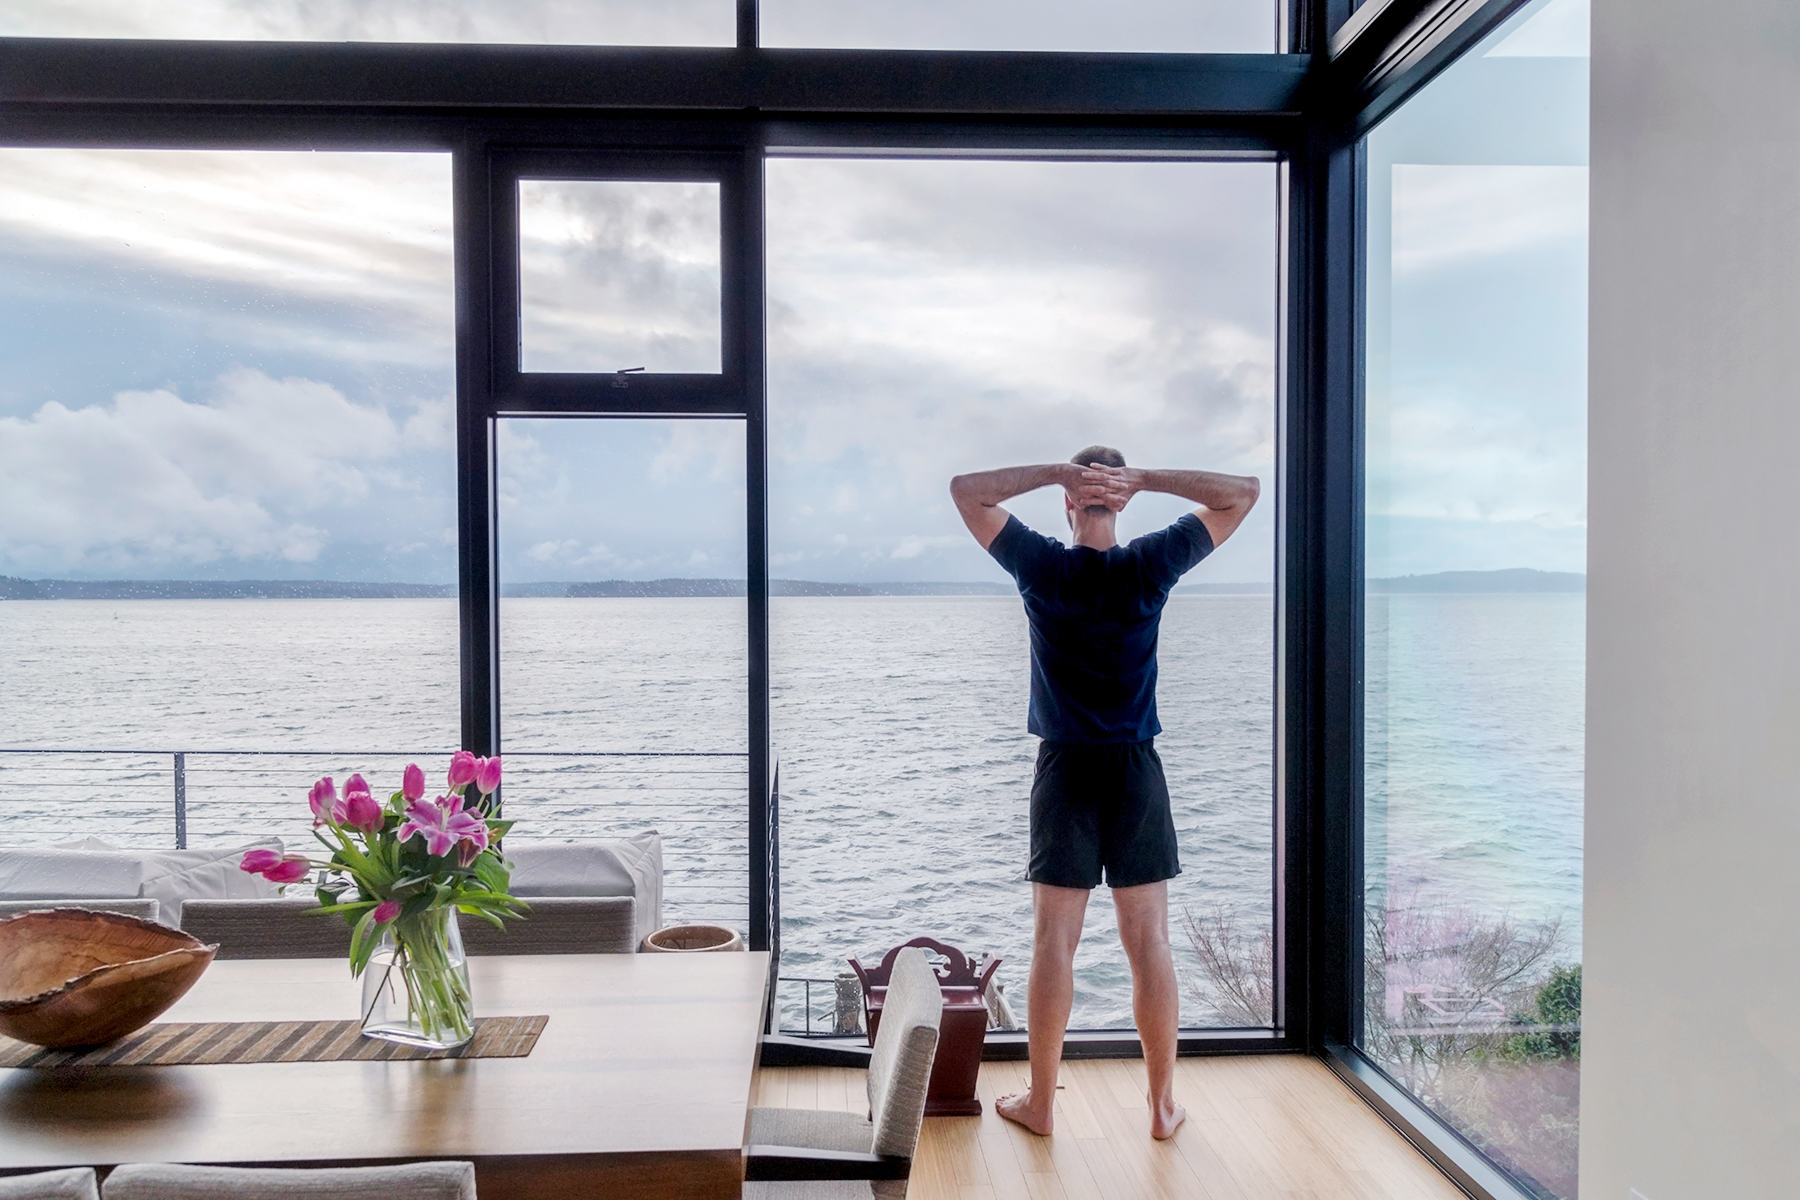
(1095, 535)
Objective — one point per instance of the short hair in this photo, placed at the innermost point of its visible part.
(1105, 455)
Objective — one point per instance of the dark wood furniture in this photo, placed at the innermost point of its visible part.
(964, 1031)
(638, 1087)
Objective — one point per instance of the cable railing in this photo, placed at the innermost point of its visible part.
(217, 797)
(827, 1007)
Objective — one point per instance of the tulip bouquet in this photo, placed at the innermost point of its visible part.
(398, 873)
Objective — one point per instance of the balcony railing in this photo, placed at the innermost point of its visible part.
(228, 797)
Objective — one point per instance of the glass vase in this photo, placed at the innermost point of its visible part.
(416, 986)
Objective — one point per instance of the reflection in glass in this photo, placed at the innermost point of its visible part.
(519, 22)
(227, 482)
(623, 649)
(1163, 26)
(1475, 628)
(616, 275)
(929, 318)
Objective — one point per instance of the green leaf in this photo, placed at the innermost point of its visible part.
(351, 907)
(362, 946)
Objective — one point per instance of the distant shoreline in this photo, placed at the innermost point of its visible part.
(1510, 580)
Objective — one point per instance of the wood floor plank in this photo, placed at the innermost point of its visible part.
(803, 1088)
(1271, 1128)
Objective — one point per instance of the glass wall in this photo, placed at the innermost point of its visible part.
(931, 318)
(619, 275)
(1476, 547)
(1164, 26)
(227, 485)
(624, 685)
(521, 22)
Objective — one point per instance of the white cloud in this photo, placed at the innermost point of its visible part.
(368, 232)
(152, 478)
(432, 424)
(568, 22)
(619, 275)
(913, 545)
(546, 551)
(1444, 215)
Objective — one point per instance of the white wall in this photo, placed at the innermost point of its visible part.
(1691, 1040)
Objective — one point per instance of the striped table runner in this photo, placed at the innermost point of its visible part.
(187, 1043)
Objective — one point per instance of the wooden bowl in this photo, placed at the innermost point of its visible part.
(72, 977)
(691, 939)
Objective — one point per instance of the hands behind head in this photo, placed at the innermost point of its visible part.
(1100, 484)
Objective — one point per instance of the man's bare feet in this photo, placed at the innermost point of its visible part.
(1019, 1107)
(1165, 1119)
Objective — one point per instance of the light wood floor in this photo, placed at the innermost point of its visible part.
(1264, 1128)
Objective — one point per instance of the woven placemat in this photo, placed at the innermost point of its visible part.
(185, 1043)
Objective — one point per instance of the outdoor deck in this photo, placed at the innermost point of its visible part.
(1266, 1128)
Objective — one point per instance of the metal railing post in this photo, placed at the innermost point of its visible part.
(180, 800)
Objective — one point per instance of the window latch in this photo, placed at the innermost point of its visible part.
(619, 380)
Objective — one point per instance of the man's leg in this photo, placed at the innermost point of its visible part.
(1059, 912)
(1155, 996)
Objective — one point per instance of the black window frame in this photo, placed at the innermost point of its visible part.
(499, 109)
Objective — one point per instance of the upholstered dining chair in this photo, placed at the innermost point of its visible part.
(280, 928)
(74, 1183)
(798, 1152)
(559, 925)
(408, 1181)
(148, 909)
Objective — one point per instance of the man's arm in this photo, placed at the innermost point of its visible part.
(978, 496)
(1225, 499)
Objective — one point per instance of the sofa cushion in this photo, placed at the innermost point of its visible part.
(73, 1183)
(630, 866)
(90, 869)
(51, 873)
(172, 876)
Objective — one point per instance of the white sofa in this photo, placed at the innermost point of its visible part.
(629, 866)
(90, 870)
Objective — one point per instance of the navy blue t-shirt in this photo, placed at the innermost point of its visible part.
(1094, 616)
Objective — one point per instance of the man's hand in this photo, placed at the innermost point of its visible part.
(1111, 486)
(1226, 499)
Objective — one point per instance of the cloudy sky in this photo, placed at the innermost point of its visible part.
(230, 365)
(1168, 25)
(1477, 309)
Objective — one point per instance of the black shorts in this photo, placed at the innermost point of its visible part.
(1101, 807)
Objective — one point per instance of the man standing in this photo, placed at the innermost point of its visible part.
(1099, 803)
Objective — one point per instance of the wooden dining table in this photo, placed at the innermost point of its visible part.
(639, 1085)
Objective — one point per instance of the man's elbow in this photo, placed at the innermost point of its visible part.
(1252, 490)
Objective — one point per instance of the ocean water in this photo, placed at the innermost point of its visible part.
(899, 724)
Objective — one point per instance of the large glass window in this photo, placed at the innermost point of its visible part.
(1163, 26)
(624, 684)
(619, 275)
(556, 22)
(227, 485)
(1476, 548)
(930, 318)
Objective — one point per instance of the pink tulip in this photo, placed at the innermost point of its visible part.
(258, 861)
(321, 798)
(442, 823)
(487, 774)
(359, 810)
(386, 911)
(289, 870)
(462, 768)
(412, 784)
